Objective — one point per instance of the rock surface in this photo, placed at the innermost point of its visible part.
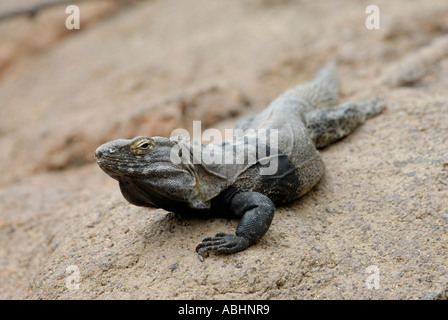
(148, 68)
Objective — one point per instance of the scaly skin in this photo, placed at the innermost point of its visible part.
(148, 176)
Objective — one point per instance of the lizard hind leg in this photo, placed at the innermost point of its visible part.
(331, 124)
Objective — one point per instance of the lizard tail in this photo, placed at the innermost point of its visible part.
(322, 91)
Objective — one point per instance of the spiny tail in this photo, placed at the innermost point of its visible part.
(322, 91)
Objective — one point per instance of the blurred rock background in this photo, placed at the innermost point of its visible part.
(148, 67)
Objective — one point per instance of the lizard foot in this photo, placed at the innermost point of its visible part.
(372, 107)
(222, 243)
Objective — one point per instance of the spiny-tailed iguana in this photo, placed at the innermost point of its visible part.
(165, 172)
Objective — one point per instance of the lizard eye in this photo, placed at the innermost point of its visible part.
(142, 146)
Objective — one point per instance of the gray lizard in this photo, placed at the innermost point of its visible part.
(165, 172)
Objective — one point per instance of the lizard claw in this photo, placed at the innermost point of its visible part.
(221, 243)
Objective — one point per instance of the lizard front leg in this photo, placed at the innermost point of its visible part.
(256, 212)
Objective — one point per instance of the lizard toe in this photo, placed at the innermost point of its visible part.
(221, 243)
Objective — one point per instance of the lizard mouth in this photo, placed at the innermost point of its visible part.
(103, 157)
(115, 168)
(110, 165)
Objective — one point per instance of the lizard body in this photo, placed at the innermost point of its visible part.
(162, 172)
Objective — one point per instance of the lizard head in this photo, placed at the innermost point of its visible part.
(147, 162)
(141, 157)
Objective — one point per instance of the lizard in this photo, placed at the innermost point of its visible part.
(160, 172)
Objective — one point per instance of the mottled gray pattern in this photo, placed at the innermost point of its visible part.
(300, 121)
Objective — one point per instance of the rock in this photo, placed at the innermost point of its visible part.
(375, 227)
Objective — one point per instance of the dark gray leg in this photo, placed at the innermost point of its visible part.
(256, 211)
(331, 124)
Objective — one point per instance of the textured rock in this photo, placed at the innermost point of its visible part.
(156, 66)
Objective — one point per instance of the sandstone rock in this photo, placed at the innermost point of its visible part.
(380, 213)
